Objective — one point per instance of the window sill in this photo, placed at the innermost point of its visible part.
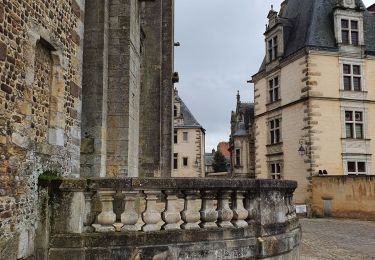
(276, 144)
(354, 91)
(356, 139)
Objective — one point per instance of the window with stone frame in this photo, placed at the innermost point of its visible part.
(175, 136)
(273, 89)
(185, 161)
(238, 157)
(275, 131)
(185, 136)
(175, 114)
(354, 124)
(350, 32)
(175, 161)
(272, 46)
(275, 171)
(356, 167)
(352, 76)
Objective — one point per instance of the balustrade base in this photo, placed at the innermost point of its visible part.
(103, 229)
(170, 226)
(150, 227)
(208, 225)
(190, 226)
(129, 228)
(239, 223)
(225, 224)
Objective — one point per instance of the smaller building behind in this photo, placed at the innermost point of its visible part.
(241, 143)
(189, 142)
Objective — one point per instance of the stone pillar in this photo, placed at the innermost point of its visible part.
(151, 217)
(107, 217)
(225, 214)
(239, 212)
(130, 216)
(94, 90)
(190, 215)
(171, 215)
(208, 211)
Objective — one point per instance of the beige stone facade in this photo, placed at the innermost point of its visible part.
(315, 99)
(189, 143)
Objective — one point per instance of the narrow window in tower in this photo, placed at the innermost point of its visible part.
(175, 161)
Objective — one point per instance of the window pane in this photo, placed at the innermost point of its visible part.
(277, 136)
(355, 38)
(351, 167)
(272, 137)
(185, 161)
(278, 169)
(344, 23)
(270, 83)
(357, 84)
(347, 83)
(358, 116)
(354, 25)
(276, 92)
(346, 68)
(271, 96)
(277, 121)
(185, 136)
(348, 116)
(345, 37)
(356, 70)
(273, 168)
(359, 131)
(349, 130)
(272, 124)
(361, 167)
(276, 81)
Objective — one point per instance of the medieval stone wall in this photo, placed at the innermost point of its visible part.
(40, 104)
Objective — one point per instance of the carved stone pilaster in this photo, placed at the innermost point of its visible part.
(208, 211)
(171, 215)
(107, 217)
(239, 212)
(130, 216)
(225, 214)
(190, 215)
(151, 216)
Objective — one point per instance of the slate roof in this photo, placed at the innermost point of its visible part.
(309, 23)
(247, 111)
(189, 120)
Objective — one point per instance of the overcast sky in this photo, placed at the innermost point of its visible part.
(222, 45)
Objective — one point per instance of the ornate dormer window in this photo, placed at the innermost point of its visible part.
(348, 24)
(274, 37)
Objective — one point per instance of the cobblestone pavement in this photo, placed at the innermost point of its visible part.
(337, 239)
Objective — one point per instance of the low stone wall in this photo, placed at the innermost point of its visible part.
(218, 219)
(344, 196)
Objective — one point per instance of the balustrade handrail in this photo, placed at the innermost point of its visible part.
(138, 184)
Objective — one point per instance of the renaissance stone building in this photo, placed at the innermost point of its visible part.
(242, 152)
(188, 142)
(314, 93)
(98, 74)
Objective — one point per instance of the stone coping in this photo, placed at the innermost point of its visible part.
(138, 184)
(264, 246)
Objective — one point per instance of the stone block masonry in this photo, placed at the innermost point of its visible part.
(40, 103)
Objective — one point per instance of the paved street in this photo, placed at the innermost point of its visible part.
(337, 239)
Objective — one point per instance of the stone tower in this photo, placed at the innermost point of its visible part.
(127, 88)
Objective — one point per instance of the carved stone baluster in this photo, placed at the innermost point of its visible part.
(130, 216)
(190, 215)
(171, 215)
(151, 216)
(225, 214)
(208, 211)
(239, 212)
(107, 217)
(87, 220)
(251, 207)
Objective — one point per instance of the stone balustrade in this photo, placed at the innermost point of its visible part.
(258, 212)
